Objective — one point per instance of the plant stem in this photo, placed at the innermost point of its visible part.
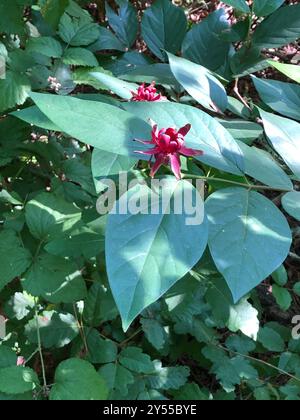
(254, 359)
(239, 184)
(40, 350)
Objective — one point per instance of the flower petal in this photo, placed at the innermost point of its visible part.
(160, 160)
(184, 130)
(176, 165)
(186, 151)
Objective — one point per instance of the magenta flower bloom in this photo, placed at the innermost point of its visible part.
(168, 146)
(147, 94)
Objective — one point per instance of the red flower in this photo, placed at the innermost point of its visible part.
(147, 94)
(168, 146)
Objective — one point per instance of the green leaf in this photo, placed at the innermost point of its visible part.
(14, 258)
(203, 44)
(281, 28)
(53, 10)
(284, 134)
(291, 204)
(266, 7)
(11, 17)
(124, 23)
(77, 32)
(77, 379)
(282, 296)
(14, 89)
(81, 242)
(55, 279)
(244, 317)
(144, 257)
(245, 131)
(247, 61)
(99, 350)
(290, 70)
(106, 164)
(220, 149)
(199, 83)
(283, 98)
(48, 215)
(154, 332)
(107, 41)
(260, 165)
(134, 359)
(166, 378)
(32, 115)
(280, 276)
(191, 392)
(99, 306)
(17, 380)
(249, 237)
(271, 340)
(240, 5)
(116, 85)
(79, 57)
(296, 289)
(80, 119)
(158, 25)
(47, 46)
(117, 377)
(7, 357)
(56, 329)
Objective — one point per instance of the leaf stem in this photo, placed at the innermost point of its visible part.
(240, 184)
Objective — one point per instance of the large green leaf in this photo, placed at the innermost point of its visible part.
(266, 7)
(260, 165)
(77, 379)
(81, 119)
(158, 27)
(291, 204)
(281, 28)
(106, 164)
(290, 70)
(249, 237)
(143, 254)
(283, 98)
(33, 115)
(124, 23)
(245, 131)
(203, 44)
(116, 85)
(284, 135)
(14, 258)
(55, 279)
(48, 215)
(199, 83)
(220, 149)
